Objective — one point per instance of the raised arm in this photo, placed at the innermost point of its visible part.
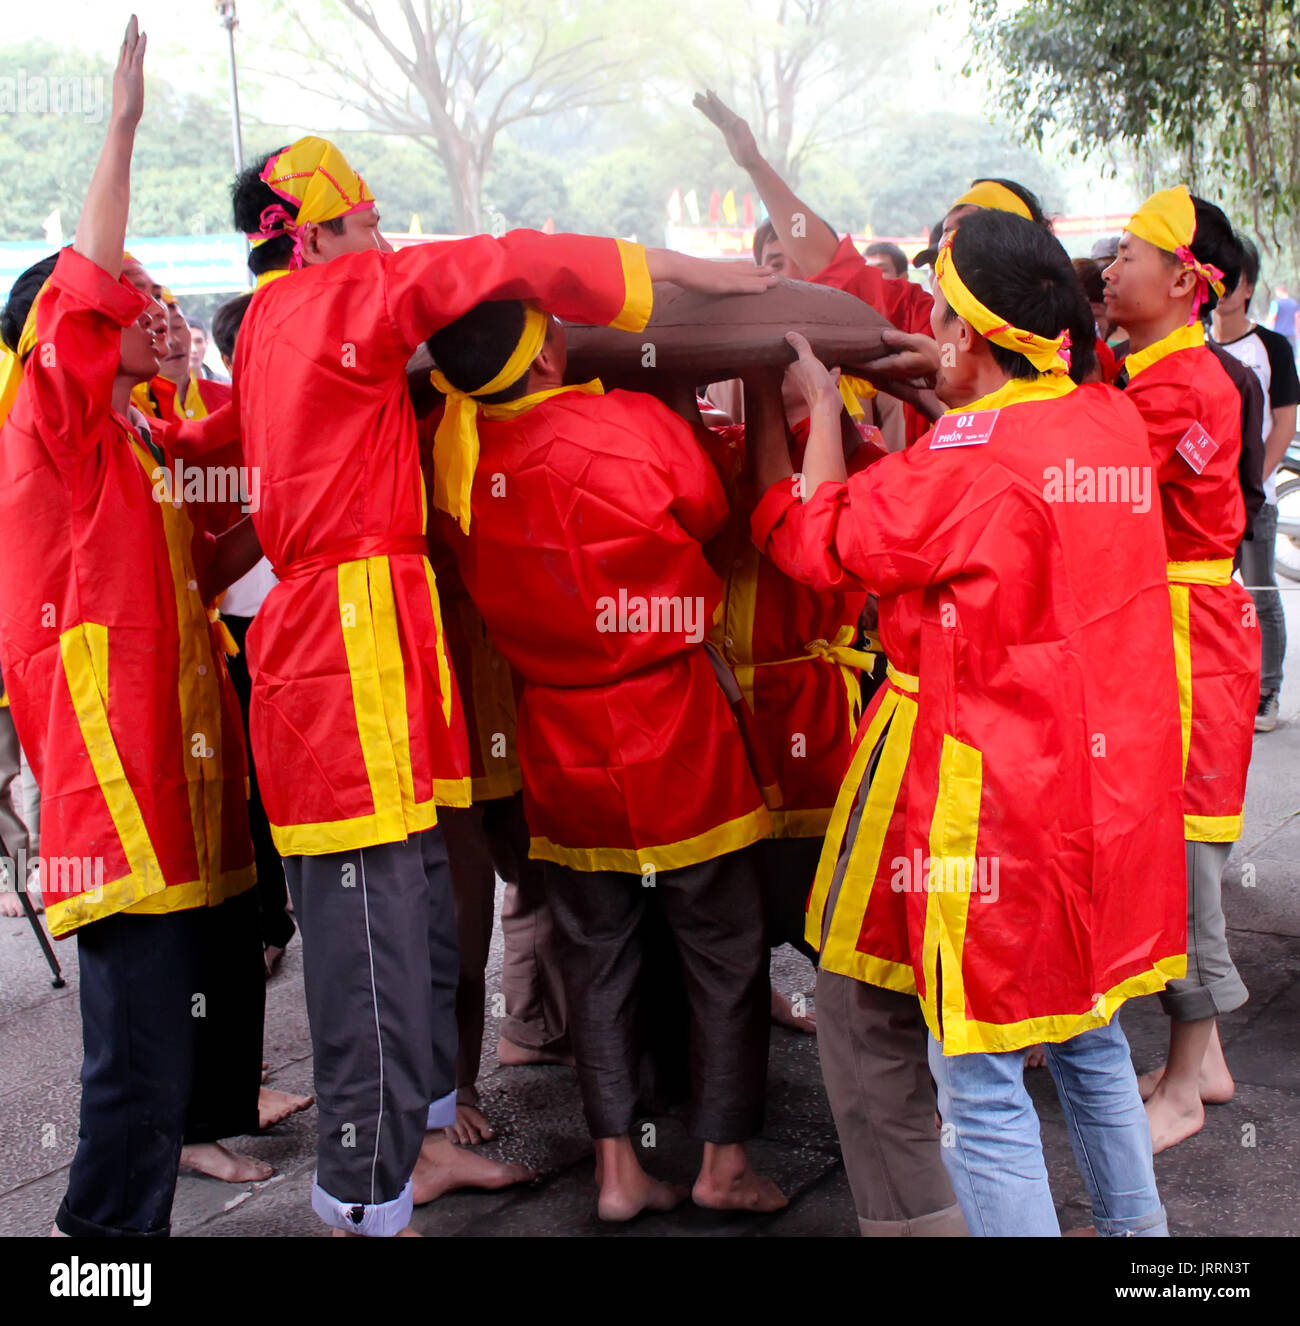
(808, 241)
(101, 229)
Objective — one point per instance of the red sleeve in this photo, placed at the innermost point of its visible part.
(192, 438)
(79, 345)
(699, 503)
(604, 282)
(904, 303)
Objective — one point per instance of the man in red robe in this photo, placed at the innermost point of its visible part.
(356, 724)
(125, 709)
(1040, 866)
(584, 553)
(1176, 256)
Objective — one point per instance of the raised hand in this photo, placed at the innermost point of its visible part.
(735, 130)
(128, 77)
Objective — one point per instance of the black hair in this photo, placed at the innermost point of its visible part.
(882, 248)
(763, 236)
(1249, 260)
(474, 349)
(250, 196)
(1089, 272)
(21, 298)
(1019, 271)
(197, 325)
(1029, 199)
(1215, 243)
(226, 322)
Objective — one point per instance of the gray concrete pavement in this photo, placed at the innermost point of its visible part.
(1241, 1175)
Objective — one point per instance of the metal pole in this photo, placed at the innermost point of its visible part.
(226, 9)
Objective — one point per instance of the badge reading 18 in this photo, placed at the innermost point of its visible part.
(963, 430)
(1196, 447)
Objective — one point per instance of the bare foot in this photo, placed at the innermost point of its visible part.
(517, 1056)
(271, 956)
(220, 1162)
(1172, 1119)
(11, 905)
(275, 1106)
(57, 1233)
(784, 1014)
(1083, 1232)
(626, 1190)
(1035, 1057)
(1214, 1079)
(471, 1126)
(443, 1167)
(728, 1182)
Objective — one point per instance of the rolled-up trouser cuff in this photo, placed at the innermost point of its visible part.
(1153, 1225)
(1195, 1003)
(377, 1222)
(75, 1227)
(948, 1223)
(442, 1112)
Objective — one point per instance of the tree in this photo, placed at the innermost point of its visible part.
(464, 74)
(1217, 82)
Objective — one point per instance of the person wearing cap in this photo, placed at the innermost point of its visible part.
(1176, 256)
(356, 725)
(582, 518)
(120, 695)
(1007, 842)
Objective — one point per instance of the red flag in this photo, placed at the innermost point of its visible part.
(715, 208)
(747, 210)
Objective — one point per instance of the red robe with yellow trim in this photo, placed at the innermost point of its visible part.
(787, 643)
(1216, 630)
(1041, 869)
(219, 505)
(121, 701)
(905, 303)
(585, 556)
(355, 718)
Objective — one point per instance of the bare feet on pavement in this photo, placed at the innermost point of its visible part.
(784, 1015)
(1035, 1057)
(1216, 1084)
(728, 1182)
(220, 1162)
(443, 1167)
(626, 1190)
(471, 1126)
(275, 1106)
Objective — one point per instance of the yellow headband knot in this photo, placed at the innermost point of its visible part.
(1049, 355)
(994, 196)
(1168, 220)
(455, 444)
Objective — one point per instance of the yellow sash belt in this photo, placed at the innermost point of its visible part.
(1218, 572)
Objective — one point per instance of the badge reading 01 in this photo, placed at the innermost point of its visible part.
(964, 430)
(1196, 447)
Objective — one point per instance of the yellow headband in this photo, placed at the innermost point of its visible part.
(314, 177)
(1047, 354)
(996, 197)
(455, 444)
(1168, 220)
(11, 361)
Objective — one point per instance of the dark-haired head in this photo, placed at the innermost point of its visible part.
(226, 322)
(888, 257)
(1019, 271)
(21, 297)
(472, 350)
(250, 196)
(1214, 243)
(960, 211)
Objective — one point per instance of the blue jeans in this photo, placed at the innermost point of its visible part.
(994, 1155)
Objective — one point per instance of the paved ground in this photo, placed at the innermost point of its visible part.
(1240, 1176)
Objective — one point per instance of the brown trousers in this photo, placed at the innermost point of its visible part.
(485, 840)
(714, 912)
(873, 1048)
